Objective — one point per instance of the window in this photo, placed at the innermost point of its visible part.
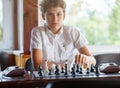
(99, 20)
(6, 25)
(1, 20)
(7, 29)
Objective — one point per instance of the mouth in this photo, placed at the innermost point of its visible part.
(55, 23)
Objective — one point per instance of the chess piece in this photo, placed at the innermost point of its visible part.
(53, 68)
(77, 68)
(50, 72)
(97, 70)
(73, 70)
(46, 71)
(92, 68)
(62, 70)
(80, 70)
(87, 71)
(40, 72)
(59, 67)
(66, 69)
(57, 70)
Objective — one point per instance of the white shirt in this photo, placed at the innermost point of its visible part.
(60, 47)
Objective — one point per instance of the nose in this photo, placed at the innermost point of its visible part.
(55, 18)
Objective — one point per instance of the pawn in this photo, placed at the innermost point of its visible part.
(50, 72)
(87, 71)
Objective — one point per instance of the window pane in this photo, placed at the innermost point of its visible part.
(99, 20)
(1, 20)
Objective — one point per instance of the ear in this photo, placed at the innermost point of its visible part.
(43, 16)
(64, 16)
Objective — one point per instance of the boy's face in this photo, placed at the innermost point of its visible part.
(54, 18)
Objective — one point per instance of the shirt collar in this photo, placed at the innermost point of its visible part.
(52, 34)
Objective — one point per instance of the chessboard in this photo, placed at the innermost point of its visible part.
(76, 72)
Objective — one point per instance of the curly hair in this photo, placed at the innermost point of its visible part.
(45, 4)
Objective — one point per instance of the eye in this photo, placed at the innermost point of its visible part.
(49, 14)
(59, 14)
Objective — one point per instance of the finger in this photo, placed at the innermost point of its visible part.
(84, 60)
(76, 59)
(79, 59)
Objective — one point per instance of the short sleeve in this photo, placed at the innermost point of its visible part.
(35, 41)
(78, 38)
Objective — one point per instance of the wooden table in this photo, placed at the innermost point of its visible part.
(29, 80)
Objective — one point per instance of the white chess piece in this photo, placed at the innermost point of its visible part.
(53, 68)
(46, 71)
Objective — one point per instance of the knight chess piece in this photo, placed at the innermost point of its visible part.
(92, 68)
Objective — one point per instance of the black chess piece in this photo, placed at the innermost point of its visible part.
(50, 72)
(77, 68)
(57, 70)
(97, 70)
(73, 70)
(80, 70)
(66, 73)
(92, 68)
(40, 72)
(88, 71)
(62, 70)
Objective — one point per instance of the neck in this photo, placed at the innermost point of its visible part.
(55, 31)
